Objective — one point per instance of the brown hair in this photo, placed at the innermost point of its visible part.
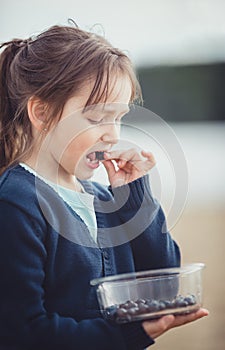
(52, 67)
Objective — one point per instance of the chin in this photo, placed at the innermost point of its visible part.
(84, 175)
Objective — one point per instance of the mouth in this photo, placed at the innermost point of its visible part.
(93, 159)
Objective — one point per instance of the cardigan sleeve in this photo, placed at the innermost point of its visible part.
(24, 321)
(145, 224)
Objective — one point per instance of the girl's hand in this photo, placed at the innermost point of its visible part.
(130, 164)
(157, 327)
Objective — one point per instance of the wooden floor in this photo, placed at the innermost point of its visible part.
(200, 233)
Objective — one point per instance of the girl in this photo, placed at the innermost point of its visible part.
(63, 95)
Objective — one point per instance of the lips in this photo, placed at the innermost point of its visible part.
(91, 156)
(93, 159)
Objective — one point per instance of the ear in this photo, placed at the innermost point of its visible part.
(37, 113)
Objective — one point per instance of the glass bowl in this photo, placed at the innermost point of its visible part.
(150, 294)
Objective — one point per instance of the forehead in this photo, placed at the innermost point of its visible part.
(117, 94)
(119, 90)
(112, 107)
(114, 99)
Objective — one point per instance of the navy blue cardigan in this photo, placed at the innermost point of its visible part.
(47, 259)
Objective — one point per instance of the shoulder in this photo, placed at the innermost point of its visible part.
(23, 190)
(15, 182)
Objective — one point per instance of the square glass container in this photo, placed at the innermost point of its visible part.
(150, 294)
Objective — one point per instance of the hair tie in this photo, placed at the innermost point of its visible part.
(21, 43)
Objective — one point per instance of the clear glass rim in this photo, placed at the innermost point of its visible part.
(184, 269)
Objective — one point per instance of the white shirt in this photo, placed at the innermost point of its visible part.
(81, 202)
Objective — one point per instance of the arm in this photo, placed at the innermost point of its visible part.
(143, 220)
(24, 320)
(142, 215)
(153, 246)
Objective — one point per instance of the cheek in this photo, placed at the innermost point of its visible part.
(72, 139)
(80, 145)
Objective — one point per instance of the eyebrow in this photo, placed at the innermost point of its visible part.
(111, 110)
(107, 109)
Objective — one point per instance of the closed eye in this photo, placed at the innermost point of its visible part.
(95, 122)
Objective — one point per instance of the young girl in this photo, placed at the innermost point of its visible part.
(63, 94)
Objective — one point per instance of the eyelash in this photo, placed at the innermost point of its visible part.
(100, 121)
(95, 121)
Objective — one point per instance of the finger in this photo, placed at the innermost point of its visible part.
(110, 168)
(123, 156)
(149, 156)
(157, 327)
(113, 155)
(184, 319)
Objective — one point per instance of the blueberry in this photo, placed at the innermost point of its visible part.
(123, 306)
(162, 305)
(121, 312)
(112, 308)
(143, 308)
(128, 304)
(133, 311)
(140, 301)
(191, 300)
(122, 315)
(111, 311)
(180, 302)
(99, 155)
(153, 305)
(168, 304)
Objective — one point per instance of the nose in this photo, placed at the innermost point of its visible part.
(111, 133)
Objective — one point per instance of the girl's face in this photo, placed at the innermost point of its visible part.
(79, 134)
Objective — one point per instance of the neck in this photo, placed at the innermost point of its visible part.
(47, 167)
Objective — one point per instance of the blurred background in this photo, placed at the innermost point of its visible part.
(178, 49)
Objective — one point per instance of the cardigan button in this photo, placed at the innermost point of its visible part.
(105, 254)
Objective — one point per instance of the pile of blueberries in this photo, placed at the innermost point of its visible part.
(132, 310)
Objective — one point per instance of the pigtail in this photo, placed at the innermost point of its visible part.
(9, 132)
